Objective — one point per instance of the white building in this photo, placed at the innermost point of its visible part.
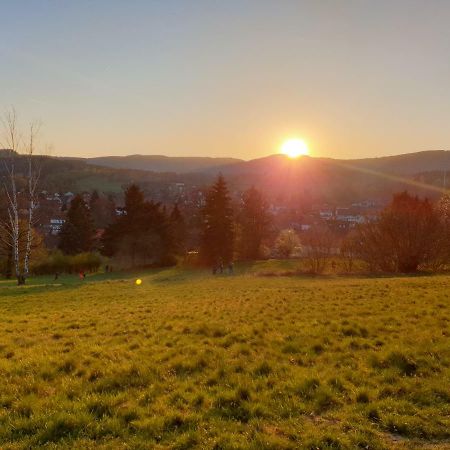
(56, 225)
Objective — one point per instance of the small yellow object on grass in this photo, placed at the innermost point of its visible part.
(138, 281)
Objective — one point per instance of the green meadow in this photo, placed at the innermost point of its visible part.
(248, 361)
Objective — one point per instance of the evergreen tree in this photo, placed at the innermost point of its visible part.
(142, 235)
(94, 199)
(126, 227)
(77, 233)
(217, 228)
(254, 224)
(102, 210)
(134, 201)
(178, 230)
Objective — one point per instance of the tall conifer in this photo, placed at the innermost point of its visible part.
(77, 233)
(218, 227)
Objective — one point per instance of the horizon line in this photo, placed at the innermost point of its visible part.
(246, 160)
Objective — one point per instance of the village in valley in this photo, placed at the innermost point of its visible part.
(225, 225)
(52, 209)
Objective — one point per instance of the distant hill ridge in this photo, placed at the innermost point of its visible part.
(408, 163)
(306, 179)
(160, 163)
(403, 164)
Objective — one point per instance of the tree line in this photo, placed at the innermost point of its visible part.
(146, 234)
(410, 234)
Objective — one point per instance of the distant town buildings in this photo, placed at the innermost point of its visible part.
(55, 226)
(52, 210)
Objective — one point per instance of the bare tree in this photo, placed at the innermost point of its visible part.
(20, 181)
(286, 242)
(409, 235)
(349, 252)
(443, 208)
(318, 244)
(441, 246)
(33, 177)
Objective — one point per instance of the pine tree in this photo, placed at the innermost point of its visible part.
(77, 233)
(218, 227)
(142, 235)
(254, 221)
(134, 201)
(94, 199)
(178, 230)
(127, 227)
(102, 210)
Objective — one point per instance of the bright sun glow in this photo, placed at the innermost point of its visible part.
(293, 148)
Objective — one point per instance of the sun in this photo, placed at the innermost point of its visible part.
(293, 148)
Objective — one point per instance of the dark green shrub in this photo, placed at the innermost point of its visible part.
(57, 262)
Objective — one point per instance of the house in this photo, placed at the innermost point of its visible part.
(326, 214)
(56, 226)
(349, 215)
(364, 204)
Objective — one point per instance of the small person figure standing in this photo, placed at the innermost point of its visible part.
(56, 275)
(230, 268)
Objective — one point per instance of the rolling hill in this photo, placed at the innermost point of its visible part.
(405, 164)
(333, 180)
(281, 179)
(159, 163)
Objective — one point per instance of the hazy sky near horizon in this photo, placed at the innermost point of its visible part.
(354, 78)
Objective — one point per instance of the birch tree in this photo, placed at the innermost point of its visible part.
(21, 174)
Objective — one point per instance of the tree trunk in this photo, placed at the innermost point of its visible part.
(31, 206)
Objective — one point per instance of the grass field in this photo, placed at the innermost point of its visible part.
(188, 360)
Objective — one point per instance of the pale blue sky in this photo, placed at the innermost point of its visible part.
(229, 78)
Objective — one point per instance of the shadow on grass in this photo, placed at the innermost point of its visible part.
(176, 274)
(333, 276)
(41, 284)
(35, 288)
(179, 275)
(296, 268)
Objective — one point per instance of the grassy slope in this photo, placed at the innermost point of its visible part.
(187, 360)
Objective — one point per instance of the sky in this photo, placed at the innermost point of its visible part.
(230, 78)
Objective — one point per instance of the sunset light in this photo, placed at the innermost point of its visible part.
(225, 224)
(294, 148)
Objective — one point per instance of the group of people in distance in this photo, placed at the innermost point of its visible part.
(219, 268)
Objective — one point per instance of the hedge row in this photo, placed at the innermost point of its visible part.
(59, 263)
